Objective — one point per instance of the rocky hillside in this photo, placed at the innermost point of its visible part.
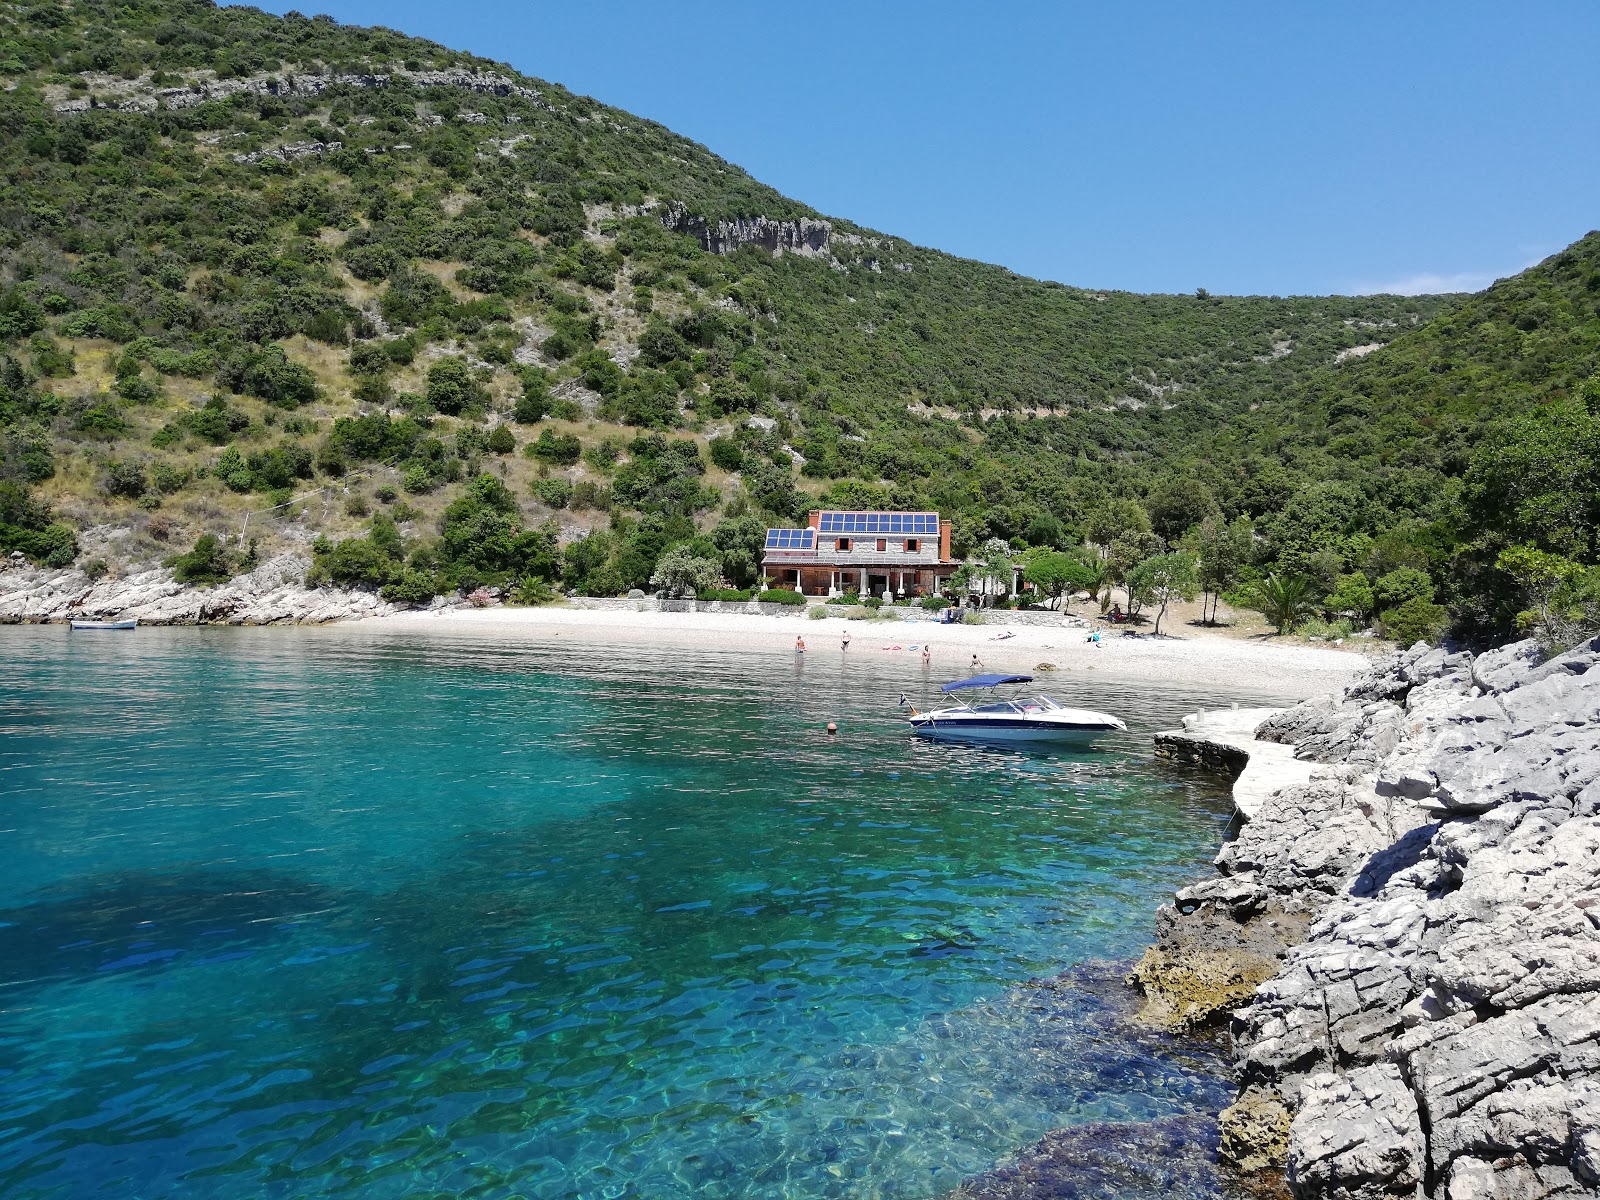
(270, 278)
(1421, 921)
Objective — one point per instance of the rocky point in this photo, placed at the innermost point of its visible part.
(1409, 944)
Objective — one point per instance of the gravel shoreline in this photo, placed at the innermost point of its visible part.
(1228, 664)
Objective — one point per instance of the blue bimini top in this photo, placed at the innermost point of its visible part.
(985, 681)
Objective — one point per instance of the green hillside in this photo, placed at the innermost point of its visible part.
(276, 279)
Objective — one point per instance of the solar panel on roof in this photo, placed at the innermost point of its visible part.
(901, 522)
(791, 539)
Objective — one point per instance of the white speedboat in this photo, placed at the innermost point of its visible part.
(1035, 718)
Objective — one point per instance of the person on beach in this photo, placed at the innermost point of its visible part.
(799, 644)
(844, 642)
(927, 655)
(976, 665)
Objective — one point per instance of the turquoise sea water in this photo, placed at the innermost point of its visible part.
(329, 913)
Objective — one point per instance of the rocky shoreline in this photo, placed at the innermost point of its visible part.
(1408, 944)
(274, 593)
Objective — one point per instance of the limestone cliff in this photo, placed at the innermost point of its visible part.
(1436, 1031)
(804, 236)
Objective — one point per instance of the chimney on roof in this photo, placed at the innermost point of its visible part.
(814, 518)
(944, 540)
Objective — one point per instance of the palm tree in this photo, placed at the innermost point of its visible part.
(1282, 599)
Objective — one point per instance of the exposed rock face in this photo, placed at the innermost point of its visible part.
(274, 593)
(1437, 1031)
(805, 237)
(289, 152)
(150, 99)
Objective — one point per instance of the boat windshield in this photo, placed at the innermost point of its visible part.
(1045, 703)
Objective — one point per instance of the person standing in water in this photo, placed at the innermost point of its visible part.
(844, 642)
(927, 655)
(976, 665)
(799, 644)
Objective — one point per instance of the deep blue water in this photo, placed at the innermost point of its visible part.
(330, 913)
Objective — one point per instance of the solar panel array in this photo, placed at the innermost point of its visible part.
(926, 524)
(791, 539)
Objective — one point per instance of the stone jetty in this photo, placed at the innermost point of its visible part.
(1406, 940)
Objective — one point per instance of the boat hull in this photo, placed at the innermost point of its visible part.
(1009, 732)
(96, 625)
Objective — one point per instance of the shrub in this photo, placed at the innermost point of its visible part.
(95, 568)
(972, 618)
(558, 449)
(726, 595)
(451, 386)
(858, 612)
(873, 602)
(819, 612)
(532, 590)
(126, 479)
(781, 596)
(500, 440)
(412, 587)
(206, 563)
(725, 453)
(587, 495)
(934, 603)
(168, 479)
(1417, 620)
(1398, 587)
(554, 493)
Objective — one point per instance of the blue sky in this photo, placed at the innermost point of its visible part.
(1154, 146)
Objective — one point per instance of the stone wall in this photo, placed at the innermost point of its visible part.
(1429, 907)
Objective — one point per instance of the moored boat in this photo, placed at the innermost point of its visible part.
(1029, 718)
(77, 624)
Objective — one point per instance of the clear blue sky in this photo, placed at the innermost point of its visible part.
(1155, 146)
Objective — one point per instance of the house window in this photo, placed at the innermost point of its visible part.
(843, 543)
(912, 545)
(883, 544)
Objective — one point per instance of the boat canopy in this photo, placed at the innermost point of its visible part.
(985, 681)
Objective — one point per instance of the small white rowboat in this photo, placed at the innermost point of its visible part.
(105, 624)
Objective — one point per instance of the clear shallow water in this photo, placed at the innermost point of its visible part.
(295, 913)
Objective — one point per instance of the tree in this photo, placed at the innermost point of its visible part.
(1056, 574)
(1561, 595)
(451, 387)
(1163, 579)
(1352, 594)
(1223, 548)
(740, 542)
(1282, 599)
(534, 403)
(680, 573)
(1177, 504)
(993, 565)
(1116, 520)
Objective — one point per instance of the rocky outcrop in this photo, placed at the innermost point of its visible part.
(148, 99)
(288, 152)
(1435, 1031)
(803, 236)
(274, 593)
